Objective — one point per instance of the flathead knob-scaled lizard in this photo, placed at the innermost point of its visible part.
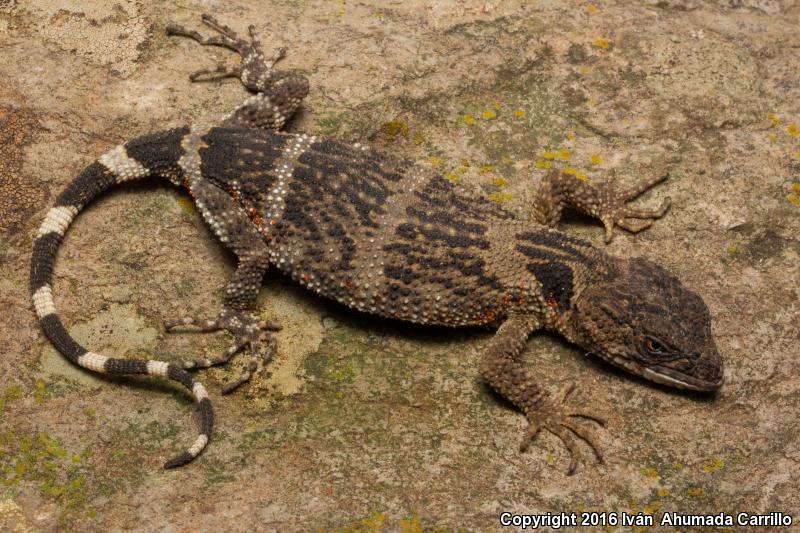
(384, 236)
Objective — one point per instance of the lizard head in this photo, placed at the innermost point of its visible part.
(643, 320)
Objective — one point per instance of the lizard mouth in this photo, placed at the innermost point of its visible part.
(675, 378)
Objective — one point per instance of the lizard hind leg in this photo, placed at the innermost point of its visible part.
(238, 316)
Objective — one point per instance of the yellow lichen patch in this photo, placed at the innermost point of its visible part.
(572, 171)
(562, 154)
(519, 113)
(797, 154)
(541, 163)
(418, 138)
(394, 128)
(500, 197)
(795, 199)
(712, 466)
(489, 114)
(663, 492)
(435, 161)
(485, 169)
(410, 525)
(775, 120)
(772, 137)
(732, 249)
(500, 182)
(41, 391)
(469, 120)
(597, 159)
(186, 204)
(375, 522)
(570, 136)
(506, 160)
(602, 42)
(793, 130)
(650, 472)
(591, 9)
(452, 178)
(796, 187)
(497, 104)
(695, 491)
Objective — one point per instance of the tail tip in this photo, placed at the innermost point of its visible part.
(188, 455)
(178, 460)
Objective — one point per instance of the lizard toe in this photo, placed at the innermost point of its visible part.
(587, 436)
(246, 329)
(530, 433)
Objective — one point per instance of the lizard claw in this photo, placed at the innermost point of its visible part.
(530, 433)
(246, 330)
(254, 65)
(553, 417)
(617, 212)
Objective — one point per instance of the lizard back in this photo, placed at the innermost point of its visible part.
(373, 232)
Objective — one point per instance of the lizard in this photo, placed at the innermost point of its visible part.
(382, 235)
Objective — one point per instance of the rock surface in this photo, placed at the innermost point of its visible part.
(359, 424)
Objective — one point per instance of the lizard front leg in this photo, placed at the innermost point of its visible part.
(238, 315)
(504, 373)
(605, 202)
(278, 92)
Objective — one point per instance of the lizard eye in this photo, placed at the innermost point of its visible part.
(653, 346)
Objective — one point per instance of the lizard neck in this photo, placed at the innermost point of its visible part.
(546, 271)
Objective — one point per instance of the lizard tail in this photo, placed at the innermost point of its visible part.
(153, 155)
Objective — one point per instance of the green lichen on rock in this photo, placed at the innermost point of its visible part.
(393, 129)
(42, 461)
(9, 395)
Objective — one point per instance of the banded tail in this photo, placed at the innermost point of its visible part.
(152, 155)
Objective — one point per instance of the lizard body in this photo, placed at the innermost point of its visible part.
(381, 235)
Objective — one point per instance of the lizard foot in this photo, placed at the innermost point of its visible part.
(614, 208)
(254, 67)
(246, 329)
(559, 420)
